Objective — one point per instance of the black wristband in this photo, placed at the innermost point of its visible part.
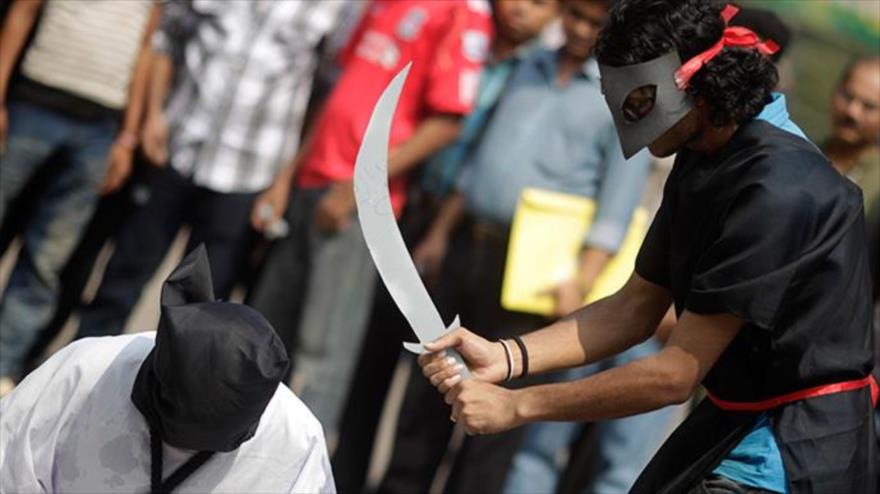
(509, 355)
(525, 356)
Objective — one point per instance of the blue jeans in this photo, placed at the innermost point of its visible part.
(625, 445)
(58, 221)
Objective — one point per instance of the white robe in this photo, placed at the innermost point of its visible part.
(70, 427)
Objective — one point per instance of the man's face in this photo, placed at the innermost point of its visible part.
(678, 136)
(582, 20)
(856, 106)
(522, 20)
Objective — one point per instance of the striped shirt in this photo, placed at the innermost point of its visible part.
(88, 48)
(244, 72)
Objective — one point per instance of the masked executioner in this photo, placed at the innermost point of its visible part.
(760, 246)
(197, 406)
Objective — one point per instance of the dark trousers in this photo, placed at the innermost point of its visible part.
(379, 356)
(219, 220)
(716, 484)
(471, 285)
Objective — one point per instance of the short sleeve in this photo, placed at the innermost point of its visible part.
(462, 47)
(760, 246)
(345, 54)
(652, 262)
(175, 26)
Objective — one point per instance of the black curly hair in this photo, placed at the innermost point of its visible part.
(736, 84)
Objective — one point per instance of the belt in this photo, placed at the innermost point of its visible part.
(826, 389)
(485, 233)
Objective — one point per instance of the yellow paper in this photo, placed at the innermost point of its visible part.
(545, 241)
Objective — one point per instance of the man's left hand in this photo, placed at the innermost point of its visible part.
(118, 169)
(334, 210)
(483, 408)
(569, 296)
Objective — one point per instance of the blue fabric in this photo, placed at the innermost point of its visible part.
(756, 460)
(559, 138)
(624, 448)
(58, 220)
(776, 113)
(441, 171)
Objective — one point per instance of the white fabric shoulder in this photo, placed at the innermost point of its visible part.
(34, 414)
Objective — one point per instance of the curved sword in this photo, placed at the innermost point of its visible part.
(380, 229)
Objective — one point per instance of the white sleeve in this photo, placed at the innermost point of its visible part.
(30, 420)
(315, 475)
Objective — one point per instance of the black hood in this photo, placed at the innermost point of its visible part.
(214, 367)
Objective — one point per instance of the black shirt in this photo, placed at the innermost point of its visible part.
(768, 231)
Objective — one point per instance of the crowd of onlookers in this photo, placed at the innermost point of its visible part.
(124, 121)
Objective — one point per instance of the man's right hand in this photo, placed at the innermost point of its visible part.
(4, 124)
(273, 199)
(485, 359)
(154, 139)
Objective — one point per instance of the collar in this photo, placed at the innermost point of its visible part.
(548, 61)
(775, 112)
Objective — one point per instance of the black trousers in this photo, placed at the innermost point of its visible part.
(471, 284)
(219, 220)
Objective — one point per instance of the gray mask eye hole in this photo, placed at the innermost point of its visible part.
(639, 103)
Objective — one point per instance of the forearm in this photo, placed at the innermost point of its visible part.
(19, 22)
(592, 262)
(162, 69)
(432, 135)
(449, 216)
(668, 377)
(637, 387)
(599, 330)
(138, 91)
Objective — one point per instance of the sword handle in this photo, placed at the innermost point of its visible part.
(465, 373)
(417, 349)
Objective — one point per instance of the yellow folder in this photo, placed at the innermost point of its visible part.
(545, 242)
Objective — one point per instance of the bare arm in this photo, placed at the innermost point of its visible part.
(434, 133)
(599, 330)
(123, 148)
(19, 22)
(137, 93)
(431, 251)
(570, 295)
(155, 131)
(669, 377)
(666, 378)
(594, 332)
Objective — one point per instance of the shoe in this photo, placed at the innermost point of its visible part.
(6, 386)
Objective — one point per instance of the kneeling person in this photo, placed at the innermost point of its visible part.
(195, 407)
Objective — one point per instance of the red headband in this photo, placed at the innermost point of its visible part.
(738, 37)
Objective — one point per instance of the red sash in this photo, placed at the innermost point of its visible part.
(827, 389)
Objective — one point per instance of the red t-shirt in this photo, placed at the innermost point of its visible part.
(447, 41)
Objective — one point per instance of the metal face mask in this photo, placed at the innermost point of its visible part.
(644, 100)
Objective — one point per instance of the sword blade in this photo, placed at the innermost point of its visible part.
(381, 233)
